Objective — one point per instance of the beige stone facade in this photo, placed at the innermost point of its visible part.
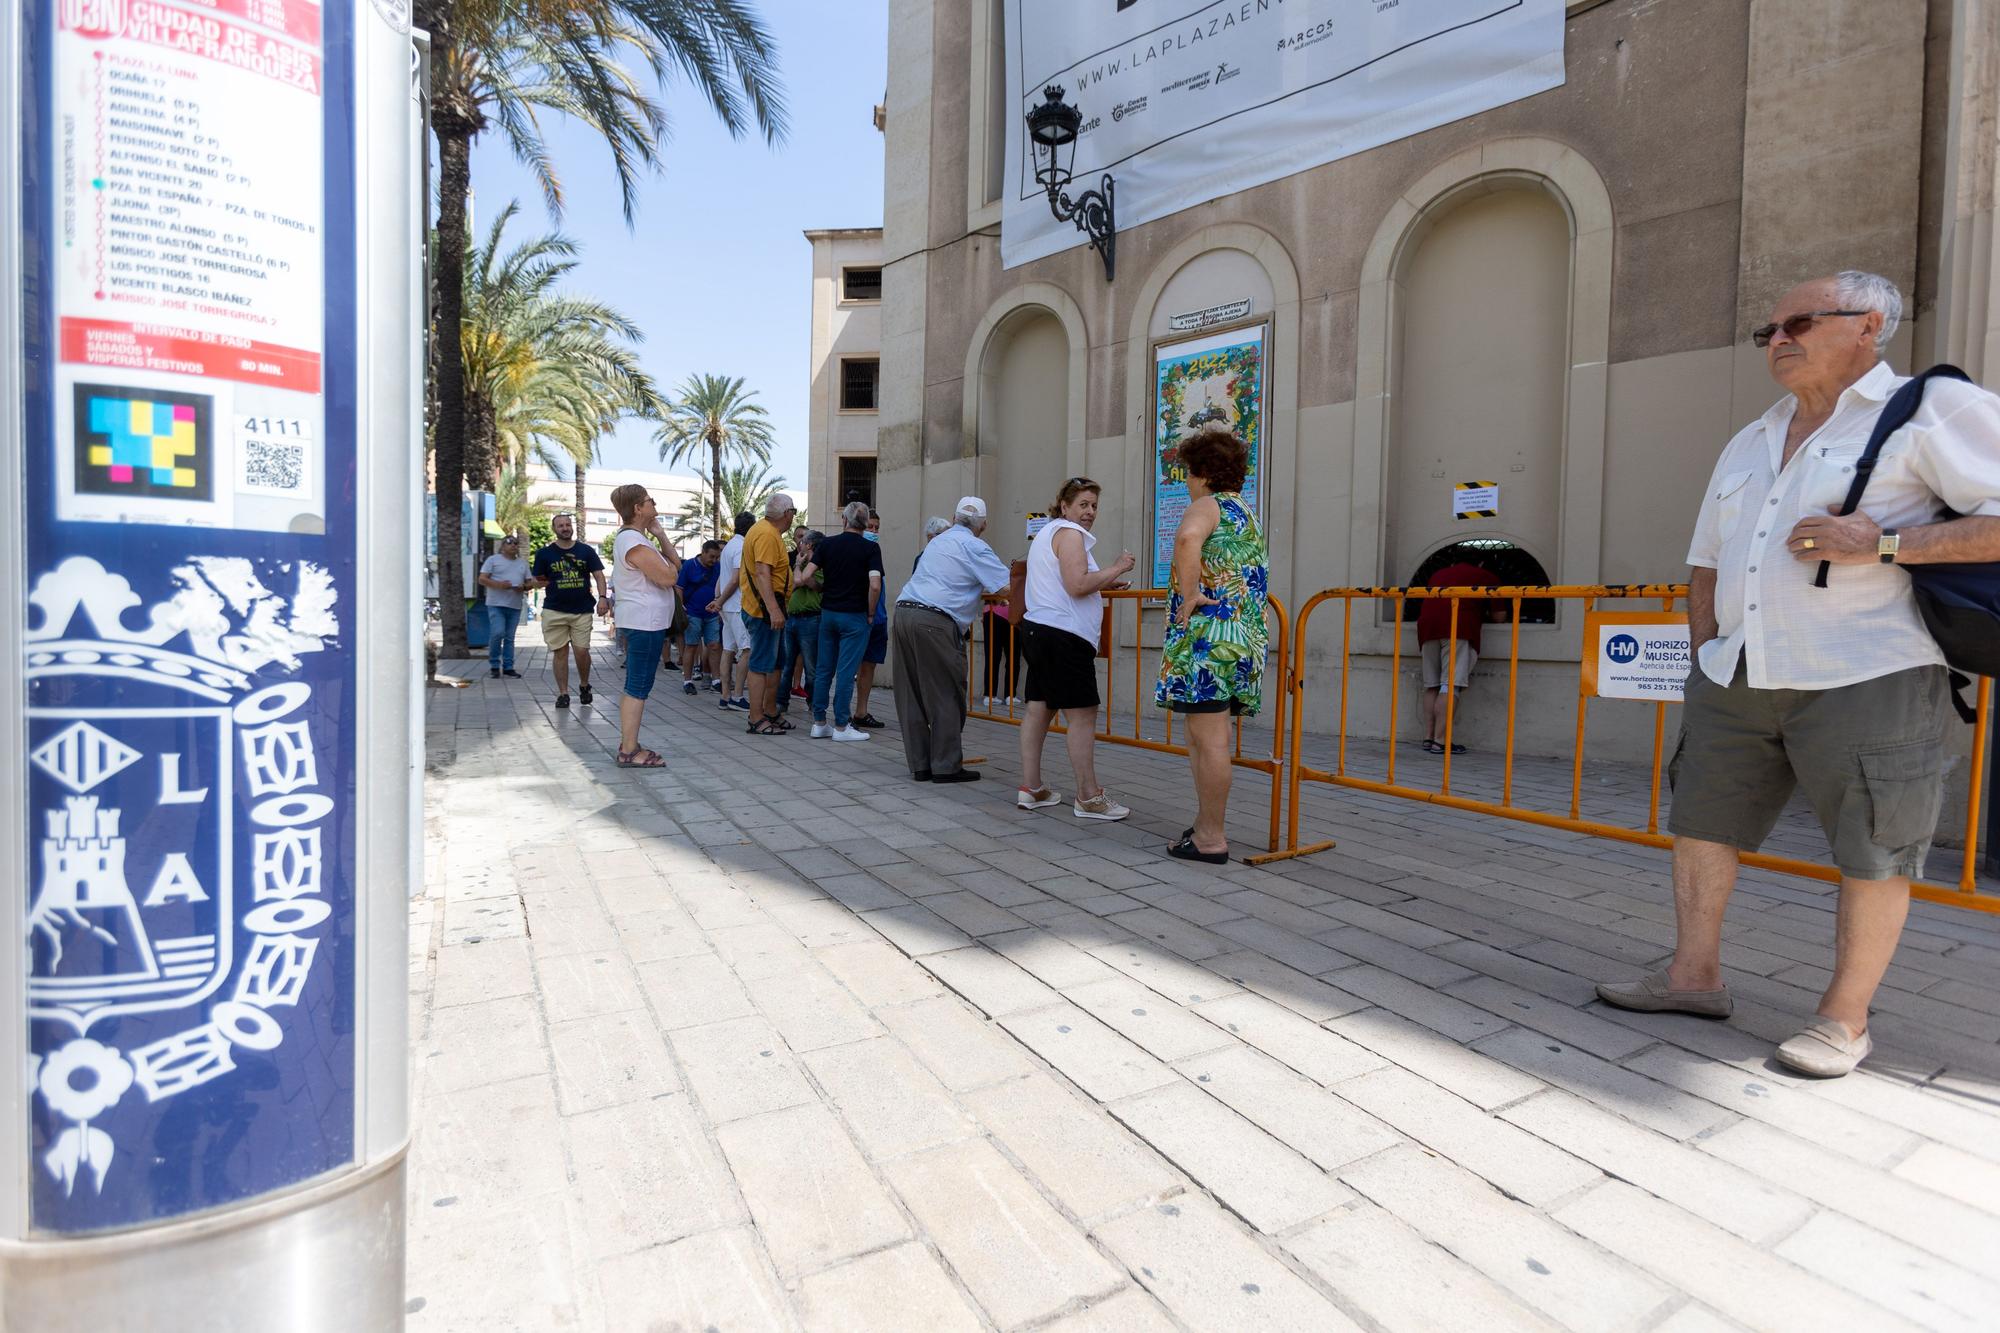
(846, 347)
(1556, 294)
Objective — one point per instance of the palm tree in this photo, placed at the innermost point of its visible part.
(546, 374)
(715, 413)
(505, 61)
(745, 488)
(514, 508)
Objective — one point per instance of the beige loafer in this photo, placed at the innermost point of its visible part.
(1824, 1050)
(1653, 995)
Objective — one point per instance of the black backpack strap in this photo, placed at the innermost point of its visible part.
(1958, 682)
(1896, 414)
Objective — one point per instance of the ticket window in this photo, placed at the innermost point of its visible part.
(1513, 565)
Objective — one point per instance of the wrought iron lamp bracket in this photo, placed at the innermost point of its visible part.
(1095, 216)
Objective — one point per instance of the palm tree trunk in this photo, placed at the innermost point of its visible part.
(454, 137)
(582, 532)
(715, 480)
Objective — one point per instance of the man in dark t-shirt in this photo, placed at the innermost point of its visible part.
(1435, 631)
(567, 568)
(851, 587)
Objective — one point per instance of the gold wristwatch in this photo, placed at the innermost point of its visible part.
(1886, 546)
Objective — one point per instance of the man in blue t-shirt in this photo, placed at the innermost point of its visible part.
(566, 569)
(703, 640)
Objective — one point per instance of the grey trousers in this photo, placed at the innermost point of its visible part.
(930, 689)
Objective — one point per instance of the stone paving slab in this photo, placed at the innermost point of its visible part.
(774, 1038)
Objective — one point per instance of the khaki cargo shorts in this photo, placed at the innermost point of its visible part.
(1436, 653)
(567, 629)
(1869, 757)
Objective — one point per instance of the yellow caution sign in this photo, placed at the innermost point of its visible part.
(1475, 499)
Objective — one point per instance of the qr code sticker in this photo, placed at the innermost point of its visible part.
(273, 467)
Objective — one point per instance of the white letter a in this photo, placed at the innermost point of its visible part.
(176, 880)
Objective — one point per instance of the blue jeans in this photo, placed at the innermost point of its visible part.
(764, 644)
(843, 636)
(501, 621)
(801, 645)
(643, 648)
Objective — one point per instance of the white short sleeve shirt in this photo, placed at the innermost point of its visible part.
(1789, 634)
(727, 579)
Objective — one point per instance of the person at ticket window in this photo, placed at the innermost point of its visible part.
(1442, 657)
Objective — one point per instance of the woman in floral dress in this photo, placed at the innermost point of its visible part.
(1212, 667)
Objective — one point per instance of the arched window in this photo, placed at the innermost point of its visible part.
(1514, 566)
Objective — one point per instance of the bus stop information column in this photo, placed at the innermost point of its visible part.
(190, 492)
(210, 450)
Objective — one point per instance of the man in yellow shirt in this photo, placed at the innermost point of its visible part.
(766, 582)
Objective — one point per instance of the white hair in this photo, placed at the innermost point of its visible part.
(855, 514)
(778, 504)
(1855, 290)
(934, 525)
(971, 521)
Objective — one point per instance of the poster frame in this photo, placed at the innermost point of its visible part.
(1265, 392)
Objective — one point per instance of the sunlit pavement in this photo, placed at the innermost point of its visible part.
(775, 1037)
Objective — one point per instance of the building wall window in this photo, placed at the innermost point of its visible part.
(860, 378)
(861, 284)
(856, 480)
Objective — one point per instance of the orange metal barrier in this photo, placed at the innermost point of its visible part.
(978, 674)
(1966, 894)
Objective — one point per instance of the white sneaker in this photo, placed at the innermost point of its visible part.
(1100, 806)
(821, 731)
(986, 703)
(850, 733)
(1036, 800)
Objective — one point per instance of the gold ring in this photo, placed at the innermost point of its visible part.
(1806, 545)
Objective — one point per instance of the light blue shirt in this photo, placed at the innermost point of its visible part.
(955, 569)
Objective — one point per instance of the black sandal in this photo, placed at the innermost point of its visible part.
(780, 721)
(764, 728)
(1186, 850)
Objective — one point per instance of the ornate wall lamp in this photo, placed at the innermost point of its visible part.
(1052, 127)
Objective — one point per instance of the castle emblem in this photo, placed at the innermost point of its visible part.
(176, 867)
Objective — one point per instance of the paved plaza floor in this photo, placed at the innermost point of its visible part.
(776, 1038)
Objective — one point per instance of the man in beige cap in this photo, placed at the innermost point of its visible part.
(933, 618)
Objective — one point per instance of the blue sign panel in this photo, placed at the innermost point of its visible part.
(191, 470)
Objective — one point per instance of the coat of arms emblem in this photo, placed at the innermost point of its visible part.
(177, 805)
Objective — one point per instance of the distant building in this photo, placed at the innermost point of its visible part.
(672, 489)
(846, 369)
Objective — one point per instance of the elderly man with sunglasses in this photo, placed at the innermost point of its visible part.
(1837, 689)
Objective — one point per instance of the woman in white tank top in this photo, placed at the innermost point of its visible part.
(645, 567)
(1059, 631)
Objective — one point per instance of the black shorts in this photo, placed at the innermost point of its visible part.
(1232, 706)
(1062, 667)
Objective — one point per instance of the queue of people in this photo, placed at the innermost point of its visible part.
(1814, 667)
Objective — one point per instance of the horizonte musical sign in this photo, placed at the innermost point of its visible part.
(1184, 102)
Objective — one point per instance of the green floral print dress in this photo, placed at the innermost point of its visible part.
(1219, 654)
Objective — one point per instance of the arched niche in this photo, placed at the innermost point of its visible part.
(1565, 179)
(1024, 406)
(1224, 262)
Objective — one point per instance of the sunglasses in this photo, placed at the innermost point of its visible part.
(1797, 325)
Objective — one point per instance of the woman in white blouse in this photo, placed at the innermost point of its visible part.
(1059, 634)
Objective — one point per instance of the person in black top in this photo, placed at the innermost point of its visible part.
(567, 567)
(850, 569)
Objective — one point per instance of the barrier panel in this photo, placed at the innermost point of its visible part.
(1966, 894)
(990, 664)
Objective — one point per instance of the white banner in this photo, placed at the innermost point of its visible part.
(1183, 101)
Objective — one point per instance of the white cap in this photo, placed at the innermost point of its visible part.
(971, 506)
